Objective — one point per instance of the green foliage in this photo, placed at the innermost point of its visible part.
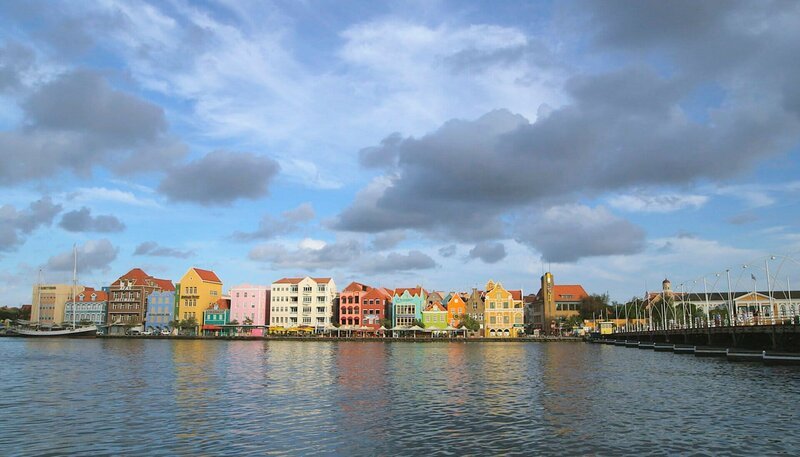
(248, 321)
(235, 322)
(572, 322)
(469, 322)
(85, 322)
(387, 323)
(418, 322)
(10, 313)
(595, 305)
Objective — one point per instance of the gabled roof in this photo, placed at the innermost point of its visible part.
(136, 274)
(456, 298)
(377, 292)
(207, 275)
(516, 294)
(87, 293)
(411, 290)
(223, 303)
(356, 287)
(165, 284)
(435, 306)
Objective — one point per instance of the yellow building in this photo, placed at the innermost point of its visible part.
(47, 303)
(503, 312)
(199, 290)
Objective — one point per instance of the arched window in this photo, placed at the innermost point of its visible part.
(355, 310)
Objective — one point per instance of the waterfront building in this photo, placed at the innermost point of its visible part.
(127, 299)
(554, 302)
(434, 296)
(47, 303)
(375, 304)
(200, 289)
(302, 301)
(456, 307)
(503, 311)
(161, 306)
(407, 305)
(89, 306)
(750, 306)
(434, 316)
(250, 305)
(475, 306)
(350, 309)
(216, 317)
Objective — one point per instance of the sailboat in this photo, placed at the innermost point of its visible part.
(75, 331)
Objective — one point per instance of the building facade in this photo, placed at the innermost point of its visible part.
(476, 306)
(434, 316)
(200, 290)
(127, 299)
(302, 301)
(456, 308)
(553, 303)
(216, 318)
(90, 305)
(161, 307)
(503, 312)
(47, 303)
(350, 309)
(407, 305)
(375, 305)
(250, 303)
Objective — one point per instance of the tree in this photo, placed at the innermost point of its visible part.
(418, 323)
(386, 323)
(469, 322)
(573, 321)
(593, 306)
(85, 322)
(235, 322)
(248, 321)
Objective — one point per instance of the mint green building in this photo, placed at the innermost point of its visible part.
(434, 316)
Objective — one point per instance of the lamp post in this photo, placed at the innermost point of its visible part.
(731, 307)
(769, 287)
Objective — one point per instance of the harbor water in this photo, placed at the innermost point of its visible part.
(194, 397)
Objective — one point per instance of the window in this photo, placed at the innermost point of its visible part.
(492, 320)
(505, 304)
(306, 288)
(321, 288)
(491, 305)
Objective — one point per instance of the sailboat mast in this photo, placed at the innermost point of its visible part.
(74, 279)
(39, 297)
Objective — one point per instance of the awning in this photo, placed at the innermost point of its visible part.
(212, 327)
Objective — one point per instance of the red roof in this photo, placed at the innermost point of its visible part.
(411, 290)
(377, 292)
(435, 306)
(516, 294)
(224, 303)
(99, 295)
(137, 275)
(575, 290)
(165, 284)
(207, 275)
(356, 287)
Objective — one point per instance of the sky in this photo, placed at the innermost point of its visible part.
(401, 143)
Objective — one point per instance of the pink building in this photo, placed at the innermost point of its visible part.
(250, 303)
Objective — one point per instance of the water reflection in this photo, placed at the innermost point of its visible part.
(140, 397)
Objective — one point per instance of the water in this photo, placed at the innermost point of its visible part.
(161, 397)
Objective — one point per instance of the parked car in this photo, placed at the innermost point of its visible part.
(147, 332)
(165, 332)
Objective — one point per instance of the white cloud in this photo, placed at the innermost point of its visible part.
(96, 194)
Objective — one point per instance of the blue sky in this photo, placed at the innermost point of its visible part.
(400, 143)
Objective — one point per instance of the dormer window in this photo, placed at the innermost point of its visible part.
(94, 297)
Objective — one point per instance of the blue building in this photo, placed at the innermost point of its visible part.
(160, 307)
(407, 305)
(90, 305)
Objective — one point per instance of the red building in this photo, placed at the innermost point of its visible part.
(374, 304)
(350, 304)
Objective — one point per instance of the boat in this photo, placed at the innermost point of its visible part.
(88, 331)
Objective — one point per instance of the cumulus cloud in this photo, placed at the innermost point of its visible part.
(220, 177)
(15, 59)
(152, 248)
(82, 221)
(77, 121)
(665, 203)
(270, 226)
(395, 262)
(15, 224)
(448, 251)
(489, 252)
(570, 232)
(92, 256)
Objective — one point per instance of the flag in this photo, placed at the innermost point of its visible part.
(753, 276)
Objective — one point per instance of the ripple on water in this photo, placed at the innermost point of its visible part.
(139, 397)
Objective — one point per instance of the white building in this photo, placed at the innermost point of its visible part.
(302, 301)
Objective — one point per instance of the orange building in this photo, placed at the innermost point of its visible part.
(456, 308)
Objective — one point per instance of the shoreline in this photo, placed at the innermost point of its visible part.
(567, 339)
